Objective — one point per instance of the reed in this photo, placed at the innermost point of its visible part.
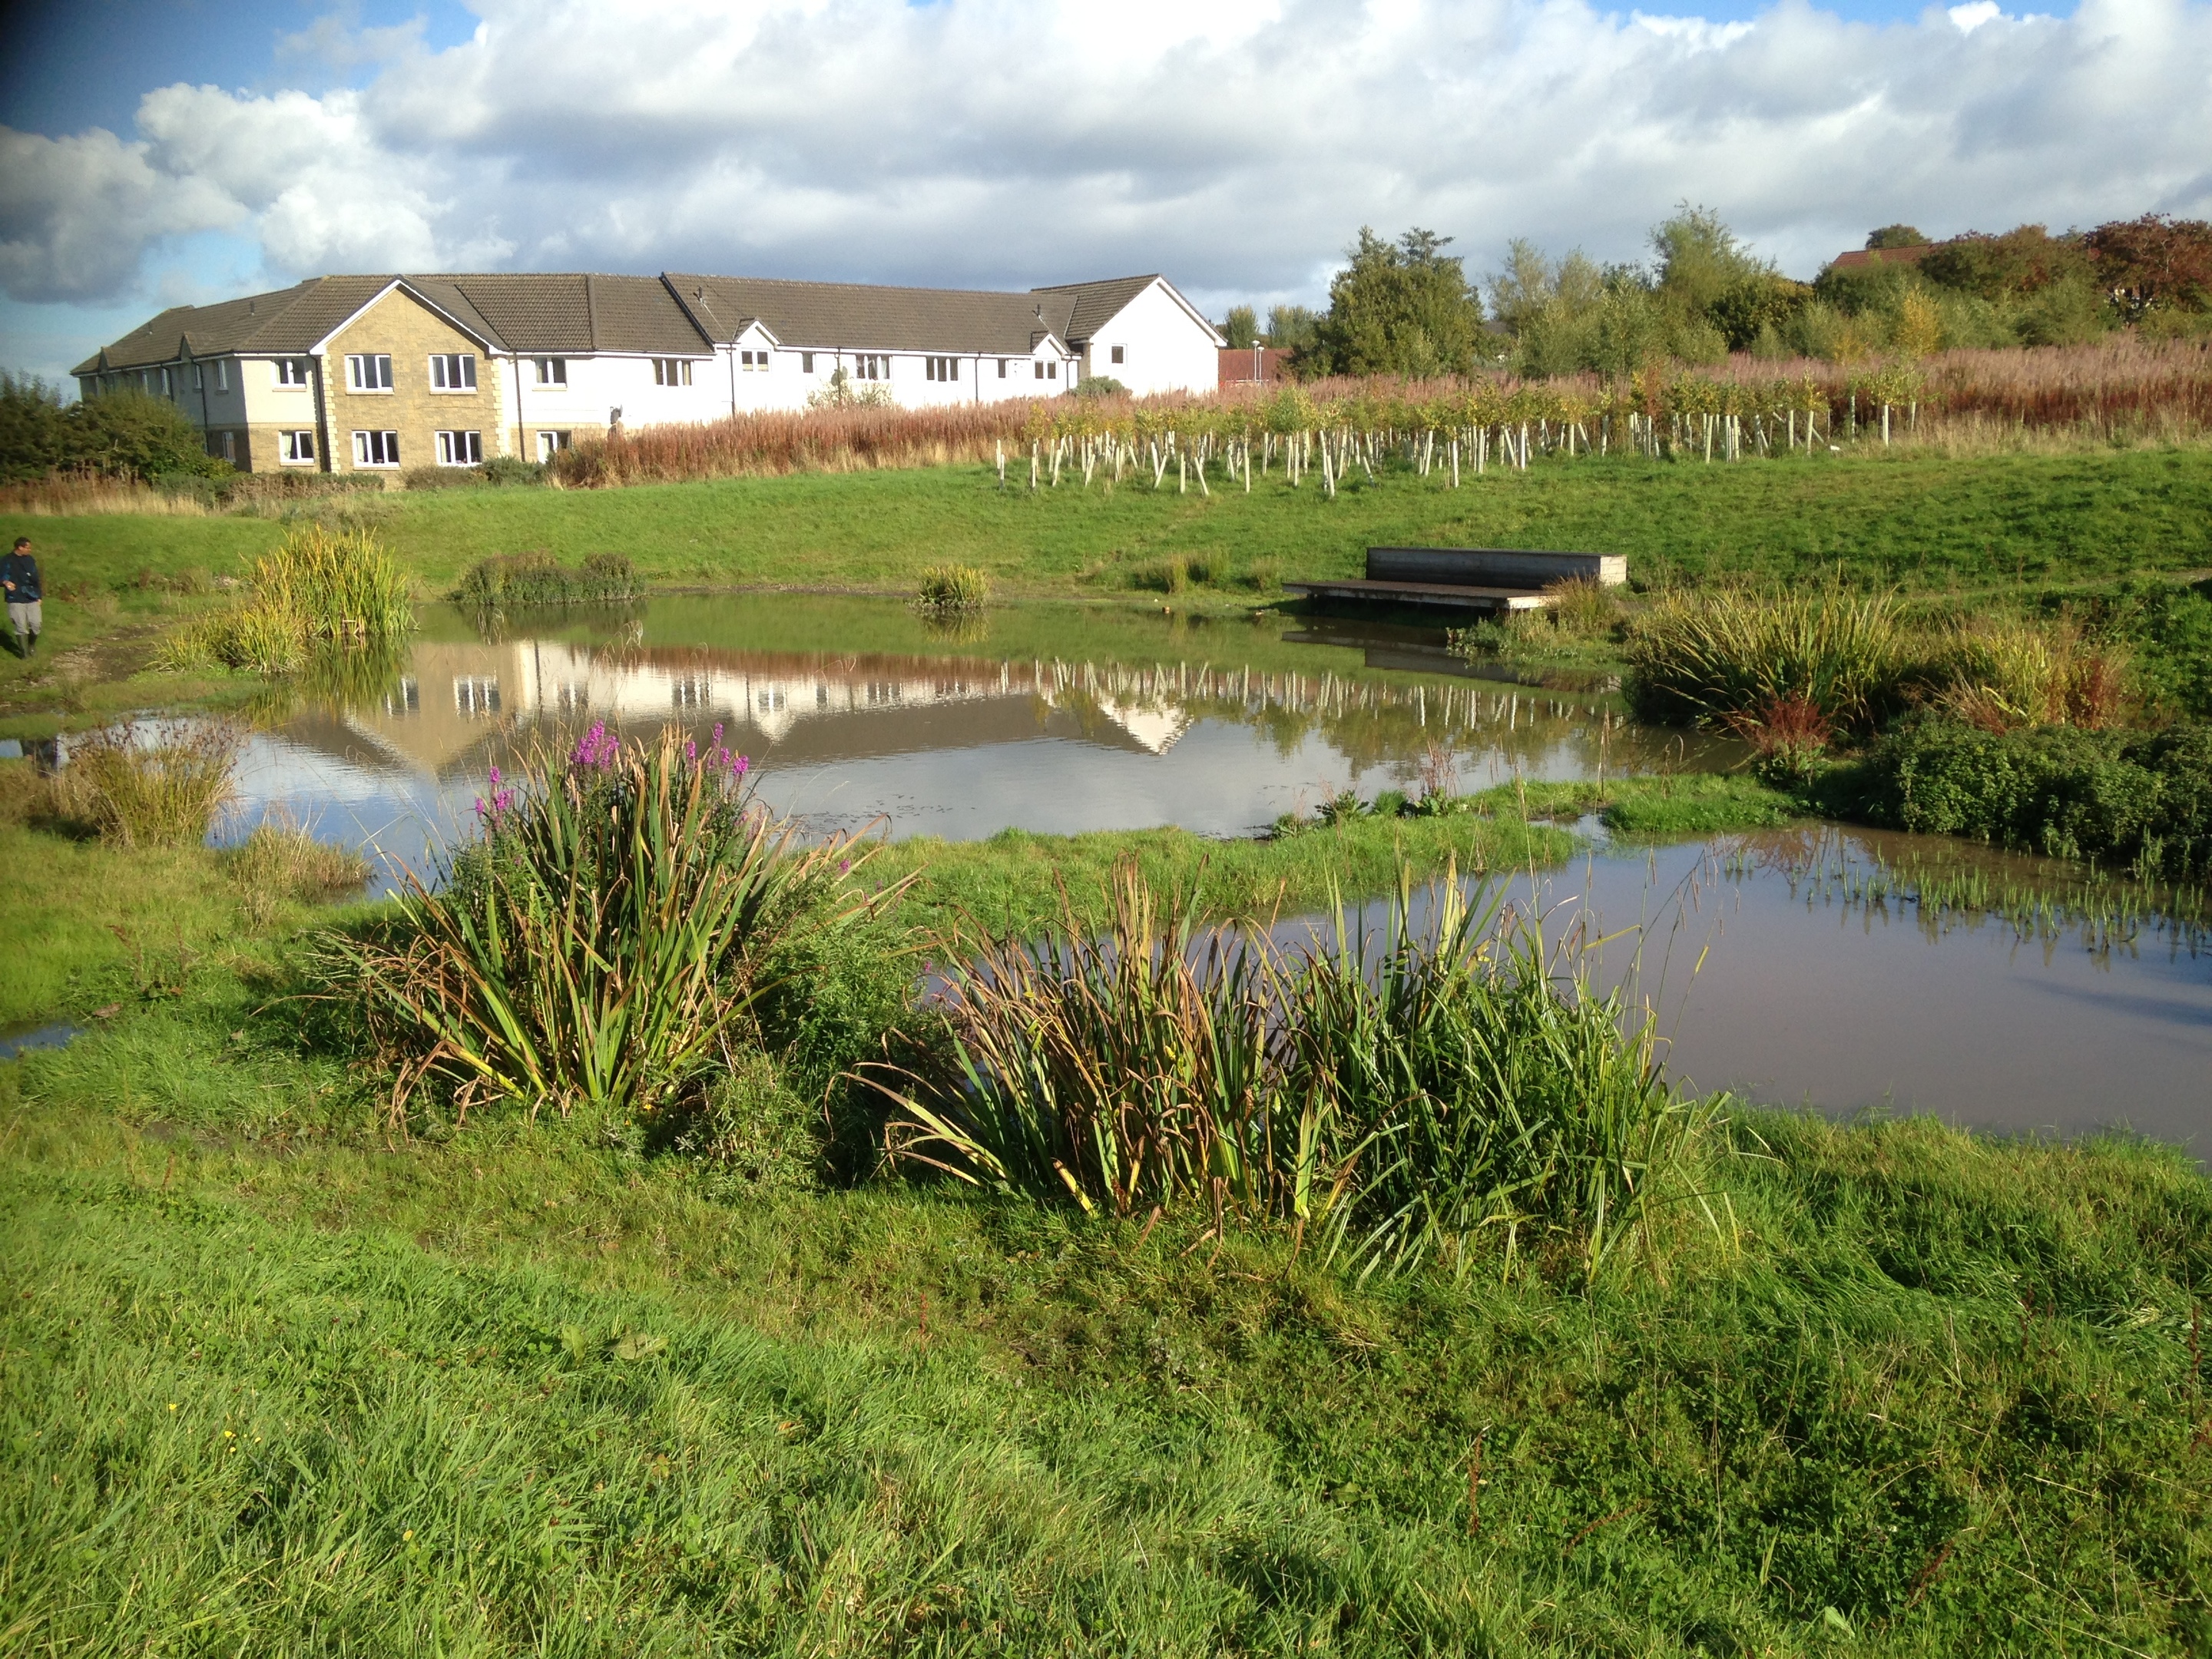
(149, 787)
(2006, 672)
(1741, 655)
(602, 942)
(509, 580)
(949, 589)
(1430, 1095)
(319, 587)
(281, 863)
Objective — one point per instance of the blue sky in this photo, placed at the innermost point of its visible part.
(169, 151)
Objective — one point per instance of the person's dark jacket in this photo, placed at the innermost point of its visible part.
(21, 569)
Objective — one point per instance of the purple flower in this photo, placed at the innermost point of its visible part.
(718, 734)
(844, 866)
(691, 751)
(739, 765)
(597, 748)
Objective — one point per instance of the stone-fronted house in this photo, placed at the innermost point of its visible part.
(346, 373)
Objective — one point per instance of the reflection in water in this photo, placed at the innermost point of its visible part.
(960, 747)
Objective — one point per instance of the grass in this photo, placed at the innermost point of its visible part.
(149, 788)
(952, 587)
(319, 587)
(508, 580)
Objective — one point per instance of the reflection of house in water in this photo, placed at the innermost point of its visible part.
(462, 705)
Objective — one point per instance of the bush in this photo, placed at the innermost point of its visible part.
(952, 587)
(1099, 386)
(2144, 797)
(320, 586)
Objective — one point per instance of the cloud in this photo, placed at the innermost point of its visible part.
(1236, 145)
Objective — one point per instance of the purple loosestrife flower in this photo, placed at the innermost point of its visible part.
(596, 749)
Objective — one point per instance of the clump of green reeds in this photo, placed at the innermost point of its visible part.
(602, 943)
(280, 862)
(512, 580)
(949, 589)
(320, 586)
(2009, 673)
(149, 787)
(1403, 1100)
(1582, 608)
(1739, 653)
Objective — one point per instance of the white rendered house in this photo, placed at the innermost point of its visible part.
(344, 374)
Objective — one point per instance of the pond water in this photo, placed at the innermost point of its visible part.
(1794, 968)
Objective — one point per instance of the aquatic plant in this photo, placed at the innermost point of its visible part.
(1405, 1099)
(2008, 671)
(601, 941)
(511, 580)
(280, 862)
(952, 588)
(149, 786)
(1743, 655)
(319, 587)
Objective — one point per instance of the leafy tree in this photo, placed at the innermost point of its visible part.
(1291, 328)
(1763, 304)
(1700, 260)
(2023, 261)
(1890, 236)
(33, 428)
(1242, 330)
(2156, 261)
(131, 434)
(1402, 307)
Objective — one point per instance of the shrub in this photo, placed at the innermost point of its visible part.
(603, 944)
(952, 588)
(1694, 657)
(2141, 797)
(1403, 1099)
(142, 788)
(1099, 386)
(514, 580)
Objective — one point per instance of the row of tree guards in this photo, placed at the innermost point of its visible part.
(1293, 435)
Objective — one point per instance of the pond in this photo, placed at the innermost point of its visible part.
(1794, 968)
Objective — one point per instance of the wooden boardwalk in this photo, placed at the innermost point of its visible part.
(1466, 578)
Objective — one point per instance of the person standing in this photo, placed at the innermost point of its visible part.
(19, 577)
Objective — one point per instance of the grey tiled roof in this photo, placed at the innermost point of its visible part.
(674, 313)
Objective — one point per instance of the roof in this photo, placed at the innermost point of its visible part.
(670, 314)
(1883, 256)
(858, 316)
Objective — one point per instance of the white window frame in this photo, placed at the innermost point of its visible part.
(754, 362)
(222, 374)
(460, 448)
(364, 369)
(291, 373)
(550, 371)
(551, 443)
(230, 446)
(295, 446)
(941, 369)
(454, 365)
(671, 370)
(871, 366)
(199, 378)
(370, 443)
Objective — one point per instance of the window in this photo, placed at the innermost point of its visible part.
(369, 373)
(1002, 368)
(550, 371)
(460, 449)
(1045, 371)
(230, 445)
(291, 372)
(453, 371)
(756, 362)
(805, 362)
(222, 374)
(671, 370)
(376, 449)
(475, 695)
(407, 700)
(297, 448)
(1118, 351)
(199, 378)
(871, 366)
(169, 383)
(551, 444)
(940, 369)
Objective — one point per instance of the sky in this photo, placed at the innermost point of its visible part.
(165, 152)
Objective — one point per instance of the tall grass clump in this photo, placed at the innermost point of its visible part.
(1419, 1096)
(509, 580)
(149, 788)
(950, 589)
(320, 586)
(1736, 657)
(280, 862)
(602, 943)
(2010, 673)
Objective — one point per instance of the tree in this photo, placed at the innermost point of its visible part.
(2024, 260)
(33, 428)
(1890, 236)
(1699, 260)
(2154, 261)
(1399, 308)
(1291, 328)
(132, 435)
(1242, 330)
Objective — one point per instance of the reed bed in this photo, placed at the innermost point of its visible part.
(536, 578)
(1428, 1095)
(602, 943)
(139, 787)
(1742, 658)
(948, 590)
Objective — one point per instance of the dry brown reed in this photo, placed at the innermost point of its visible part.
(71, 496)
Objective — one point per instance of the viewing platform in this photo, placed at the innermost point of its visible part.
(1492, 579)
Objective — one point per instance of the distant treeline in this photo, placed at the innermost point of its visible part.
(1408, 309)
(122, 435)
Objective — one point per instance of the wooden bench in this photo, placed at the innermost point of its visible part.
(1467, 578)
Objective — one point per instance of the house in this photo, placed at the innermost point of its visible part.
(1911, 254)
(346, 373)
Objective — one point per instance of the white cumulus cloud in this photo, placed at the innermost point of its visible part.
(1236, 145)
